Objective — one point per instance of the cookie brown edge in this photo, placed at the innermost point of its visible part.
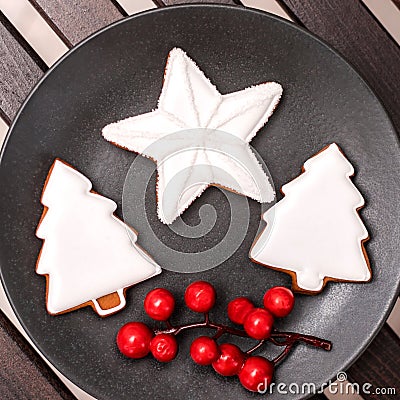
(293, 275)
(45, 209)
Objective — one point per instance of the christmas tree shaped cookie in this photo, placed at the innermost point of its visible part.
(315, 232)
(89, 256)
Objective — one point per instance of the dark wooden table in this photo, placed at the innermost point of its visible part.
(347, 25)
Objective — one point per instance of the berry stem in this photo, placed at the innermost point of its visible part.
(221, 329)
(287, 339)
(283, 355)
(256, 347)
(290, 338)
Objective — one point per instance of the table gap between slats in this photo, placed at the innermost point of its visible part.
(388, 14)
(41, 37)
(377, 21)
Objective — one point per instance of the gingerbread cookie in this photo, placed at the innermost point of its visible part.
(89, 256)
(315, 232)
(184, 132)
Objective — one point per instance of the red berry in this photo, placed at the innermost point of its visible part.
(133, 340)
(159, 304)
(200, 296)
(279, 301)
(256, 374)
(204, 350)
(164, 347)
(230, 360)
(238, 309)
(258, 323)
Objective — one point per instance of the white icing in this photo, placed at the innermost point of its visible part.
(315, 230)
(88, 252)
(189, 101)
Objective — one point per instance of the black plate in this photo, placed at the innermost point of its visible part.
(118, 73)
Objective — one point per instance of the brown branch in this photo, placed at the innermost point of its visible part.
(287, 339)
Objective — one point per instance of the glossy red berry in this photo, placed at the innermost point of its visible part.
(238, 309)
(133, 339)
(279, 301)
(256, 374)
(159, 304)
(204, 350)
(164, 347)
(200, 296)
(258, 323)
(230, 361)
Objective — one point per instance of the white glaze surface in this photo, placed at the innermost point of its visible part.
(190, 101)
(315, 230)
(88, 252)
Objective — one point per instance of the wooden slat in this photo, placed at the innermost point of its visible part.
(74, 20)
(20, 69)
(161, 3)
(349, 28)
(379, 365)
(23, 374)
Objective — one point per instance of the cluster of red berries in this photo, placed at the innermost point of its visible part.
(136, 340)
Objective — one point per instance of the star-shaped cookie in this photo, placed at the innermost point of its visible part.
(199, 137)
